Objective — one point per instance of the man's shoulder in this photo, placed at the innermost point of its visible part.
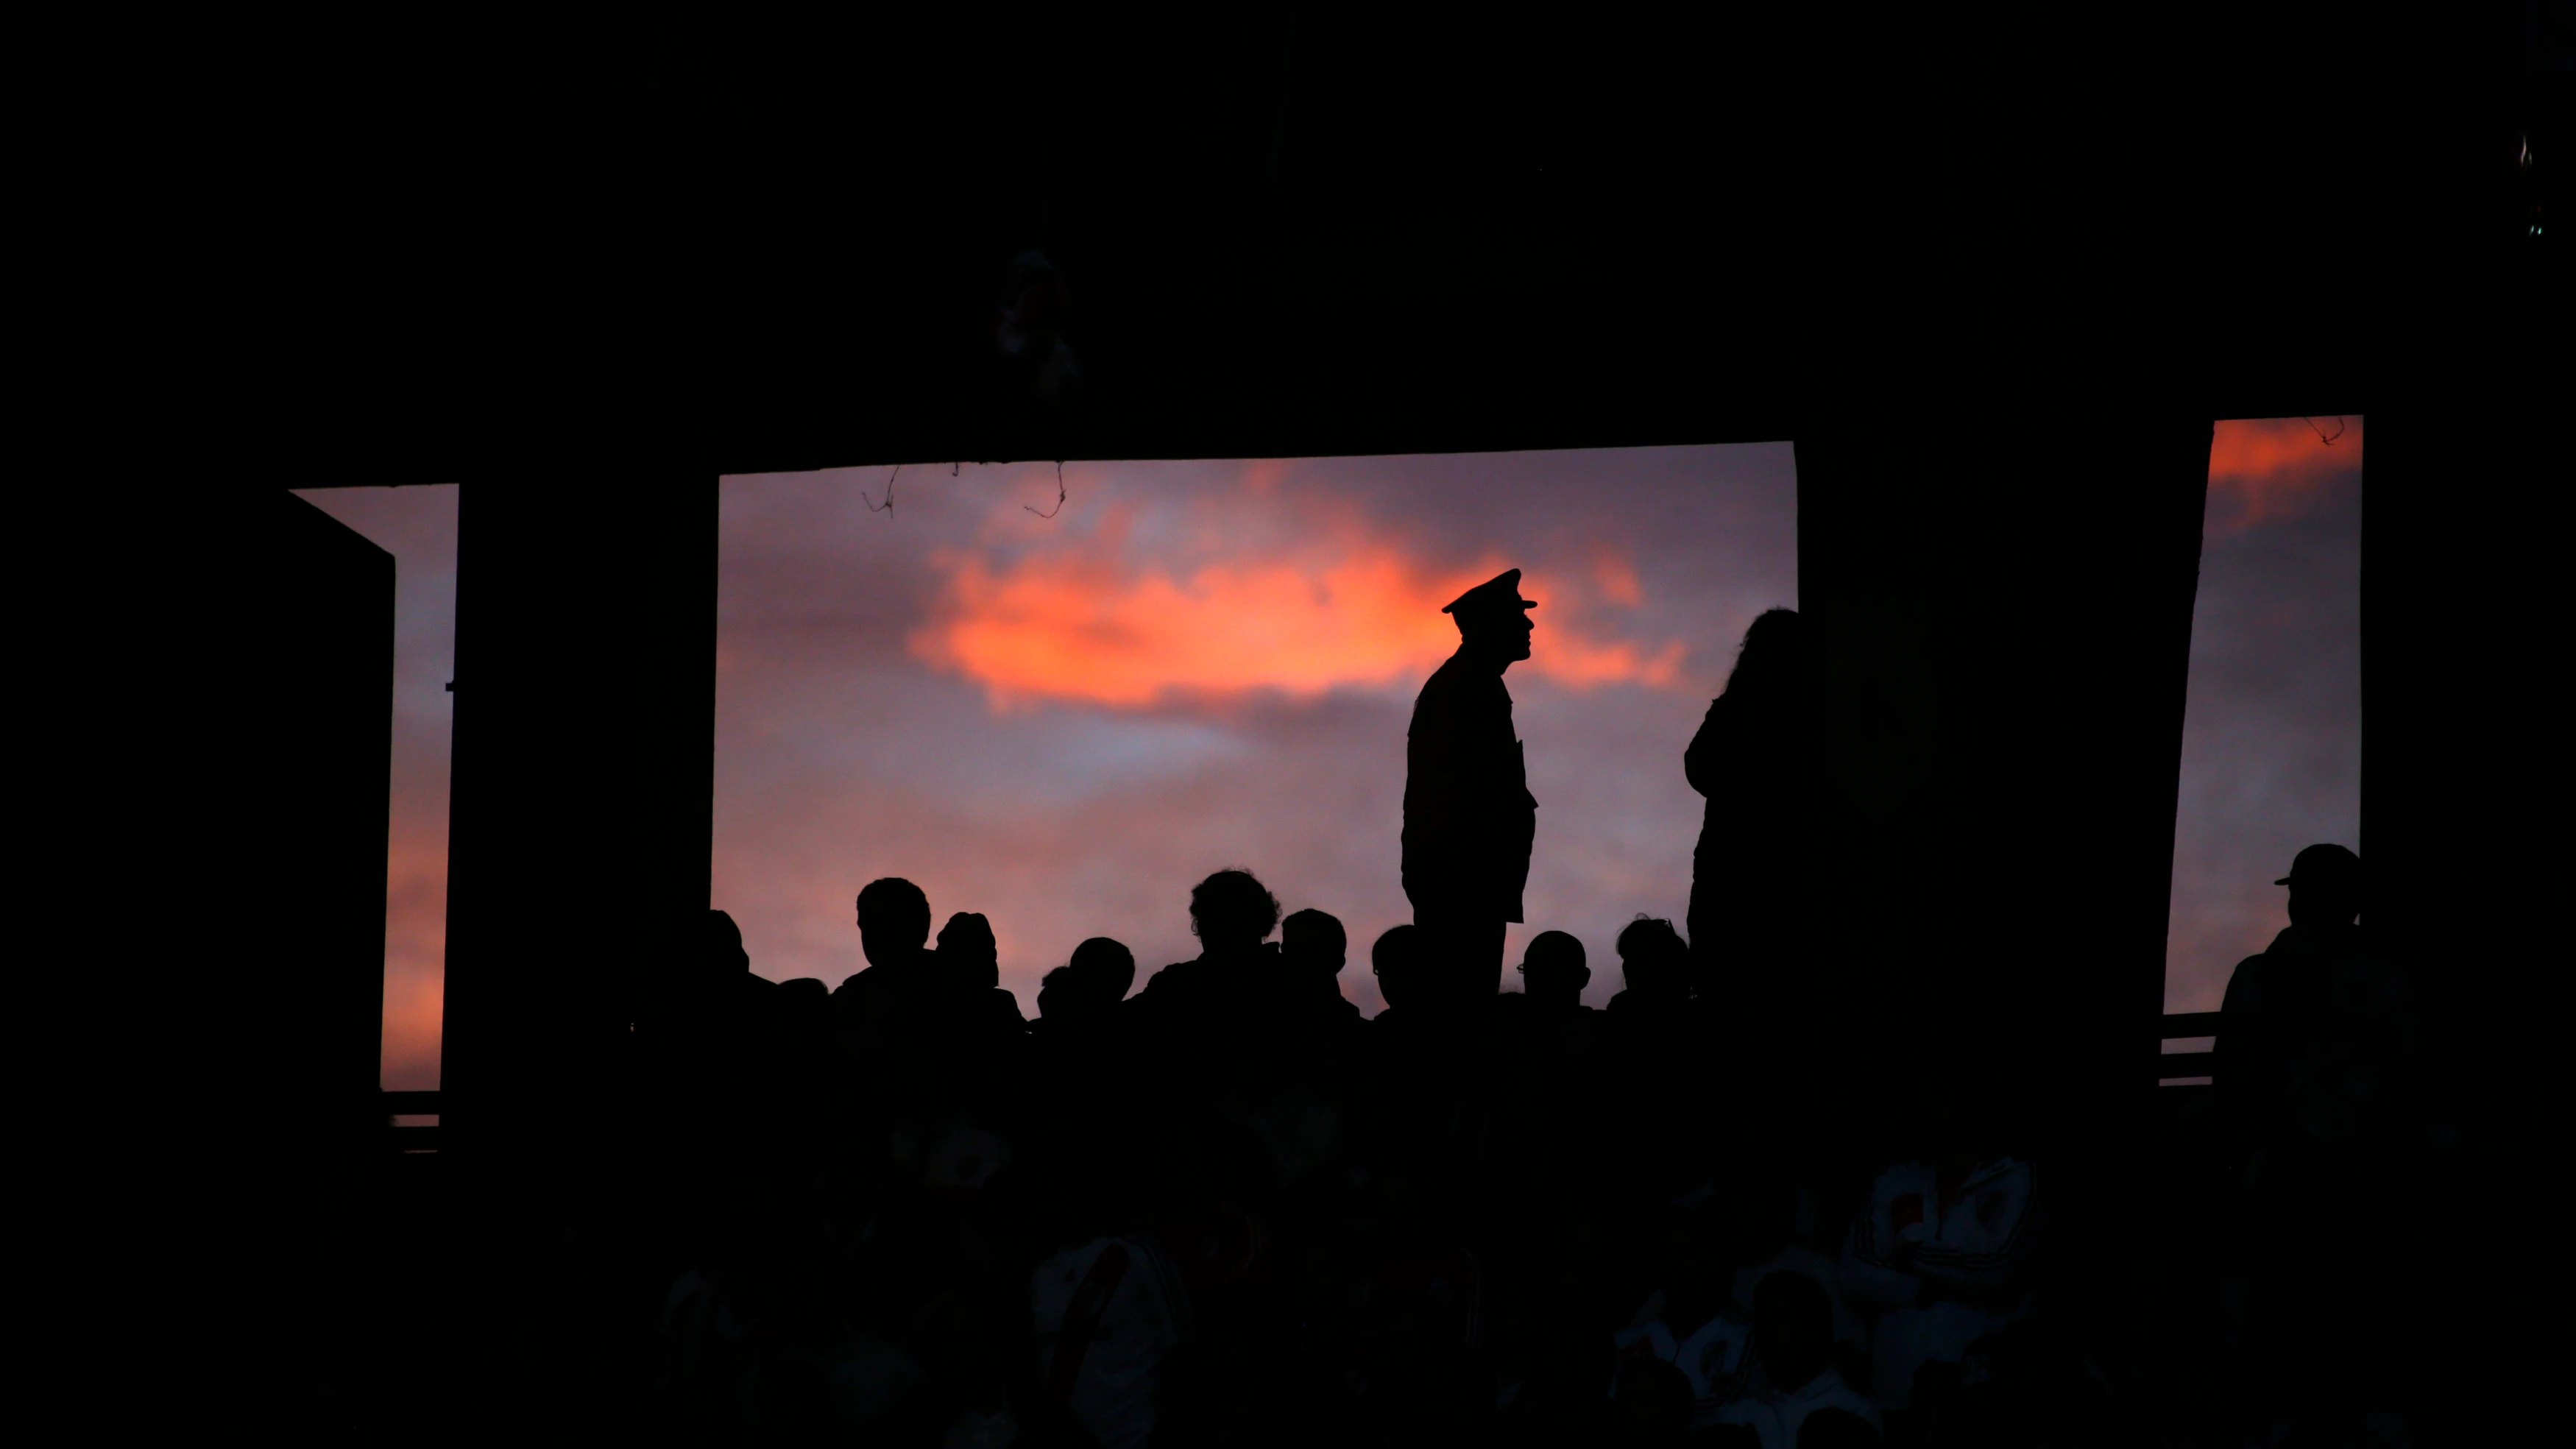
(1438, 695)
(1180, 978)
(1456, 685)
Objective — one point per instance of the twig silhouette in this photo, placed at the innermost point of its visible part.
(1059, 494)
(888, 505)
(2322, 435)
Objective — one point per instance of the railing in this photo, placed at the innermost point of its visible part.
(2182, 1026)
(415, 1137)
(2171, 1067)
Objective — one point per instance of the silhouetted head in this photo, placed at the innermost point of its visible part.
(1230, 913)
(1766, 664)
(720, 946)
(709, 967)
(1653, 961)
(1833, 1428)
(2325, 887)
(967, 953)
(1793, 1328)
(1397, 961)
(894, 921)
(1314, 944)
(1553, 969)
(1108, 968)
(1060, 996)
(1493, 619)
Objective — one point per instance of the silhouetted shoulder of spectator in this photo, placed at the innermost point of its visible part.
(1313, 948)
(894, 935)
(1396, 961)
(1178, 1001)
(1231, 913)
(2321, 1032)
(714, 1014)
(1002, 1013)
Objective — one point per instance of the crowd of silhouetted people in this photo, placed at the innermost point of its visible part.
(1210, 1204)
(1217, 1207)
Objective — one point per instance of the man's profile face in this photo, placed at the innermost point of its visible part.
(2322, 905)
(1508, 637)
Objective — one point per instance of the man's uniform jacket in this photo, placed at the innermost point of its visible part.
(1468, 813)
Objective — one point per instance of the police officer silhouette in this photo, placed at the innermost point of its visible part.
(1468, 813)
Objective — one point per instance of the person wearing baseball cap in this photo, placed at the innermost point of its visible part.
(2315, 1065)
(1469, 818)
(2325, 888)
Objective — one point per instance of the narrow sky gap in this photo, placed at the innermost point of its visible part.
(2271, 754)
(418, 527)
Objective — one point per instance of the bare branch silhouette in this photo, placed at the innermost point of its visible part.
(1059, 494)
(888, 506)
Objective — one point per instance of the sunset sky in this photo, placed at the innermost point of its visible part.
(1064, 722)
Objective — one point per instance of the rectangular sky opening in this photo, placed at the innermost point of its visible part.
(2271, 748)
(1064, 714)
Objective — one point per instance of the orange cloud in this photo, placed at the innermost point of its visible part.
(2265, 469)
(415, 951)
(1616, 578)
(1339, 605)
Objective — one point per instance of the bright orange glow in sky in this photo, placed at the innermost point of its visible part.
(2265, 469)
(1347, 604)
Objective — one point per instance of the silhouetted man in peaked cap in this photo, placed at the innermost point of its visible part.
(1468, 813)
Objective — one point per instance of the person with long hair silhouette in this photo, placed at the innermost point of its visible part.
(1743, 919)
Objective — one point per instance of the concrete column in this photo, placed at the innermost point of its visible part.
(584, 770)
(2003, 440)
(2000, 616)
